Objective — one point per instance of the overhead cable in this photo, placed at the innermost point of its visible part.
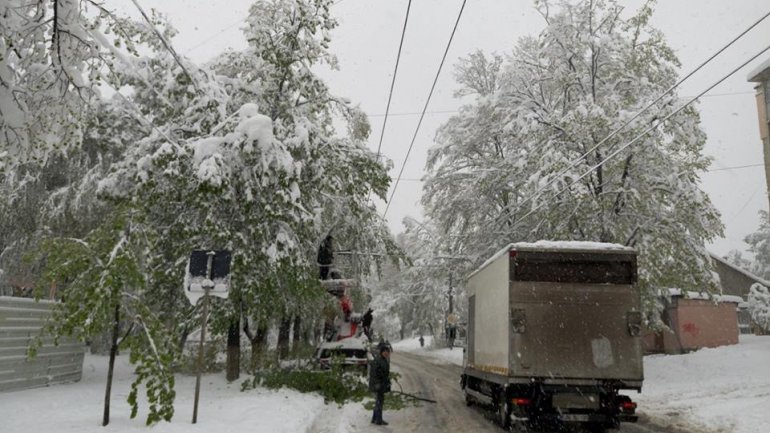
(424, 109)
(393, 82)
(636, 139)
(582, 157)
(168, 46)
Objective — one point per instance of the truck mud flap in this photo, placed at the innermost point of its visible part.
(481, 398)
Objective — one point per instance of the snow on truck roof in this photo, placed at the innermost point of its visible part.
(553, 246)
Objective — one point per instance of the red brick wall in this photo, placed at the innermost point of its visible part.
(701, 323)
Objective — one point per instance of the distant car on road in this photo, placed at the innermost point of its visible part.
(350, 352)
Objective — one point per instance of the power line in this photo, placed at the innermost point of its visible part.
(215, 35)
(425, 108)
(751, 197)
(226, 28)
(167, 45)
(414, 113)
(737, 167)
(393, 82)
(637, 138)
(583, 157)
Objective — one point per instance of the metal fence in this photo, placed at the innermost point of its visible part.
(21, 320)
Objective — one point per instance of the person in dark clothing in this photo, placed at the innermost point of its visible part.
(366, 323)
(379, 381)
(325, 257)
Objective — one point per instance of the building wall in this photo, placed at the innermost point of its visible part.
(21, 320)
(702, 323)
(732, 281)
(694, 324)
(762, 114)
(763, 106)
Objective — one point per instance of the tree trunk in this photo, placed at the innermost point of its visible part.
(318, 330)
(111, 369)
(297, 334)
(258, 342)
(234, 350)
(284, 330)
(307, 335)
(183, 339)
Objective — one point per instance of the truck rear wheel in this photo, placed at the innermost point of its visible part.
(596, 427)
(503, 410)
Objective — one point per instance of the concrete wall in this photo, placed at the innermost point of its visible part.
(21, 319)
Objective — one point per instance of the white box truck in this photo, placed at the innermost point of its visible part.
(554, 334)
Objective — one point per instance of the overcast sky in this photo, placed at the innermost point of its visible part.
(366, 43)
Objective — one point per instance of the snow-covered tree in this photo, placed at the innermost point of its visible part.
(558, 96)
(104, 291)
(736, 257)
(54, 54)
(245, 156)
(759, 245)
(759, 306)
(417, 293)
(58, 198)
(58, 140)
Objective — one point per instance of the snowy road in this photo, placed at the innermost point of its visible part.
(438, 382)
(441, 382)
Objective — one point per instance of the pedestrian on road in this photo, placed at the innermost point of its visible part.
(379, 381)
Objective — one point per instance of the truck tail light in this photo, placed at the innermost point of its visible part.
(628, 406)
(521, 401)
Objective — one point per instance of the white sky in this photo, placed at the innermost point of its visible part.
(366, 43)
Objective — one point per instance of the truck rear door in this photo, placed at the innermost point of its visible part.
(575, 315)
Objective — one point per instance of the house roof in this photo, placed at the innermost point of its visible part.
(740, 270)
(760, 73)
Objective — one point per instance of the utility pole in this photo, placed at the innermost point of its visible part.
(207, 286)
(450, 293)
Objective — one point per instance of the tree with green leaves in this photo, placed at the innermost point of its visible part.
(240, 154)
(529, 158)
(105, 291)
(249, 159)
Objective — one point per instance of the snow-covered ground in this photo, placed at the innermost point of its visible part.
(77, 407)
(726, 389)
